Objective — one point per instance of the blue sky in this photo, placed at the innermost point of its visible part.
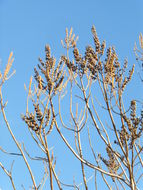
(27, 25)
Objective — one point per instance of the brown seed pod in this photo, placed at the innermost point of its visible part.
(59, 83)
(39, 113)
(77, 55)
(51, 127)
(48, 52)
(103, 45)
(48, 116)
(96, 39)
(31, 122)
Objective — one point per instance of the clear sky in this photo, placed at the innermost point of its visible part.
(27, 25)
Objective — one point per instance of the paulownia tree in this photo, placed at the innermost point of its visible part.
(93, 87)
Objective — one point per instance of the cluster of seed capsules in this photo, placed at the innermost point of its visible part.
(111, 163)
(39, 121)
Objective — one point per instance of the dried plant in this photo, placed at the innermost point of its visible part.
(93, 84)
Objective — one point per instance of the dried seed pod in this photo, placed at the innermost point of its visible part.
(42, 69)
(53, 68)
(103, 45)
(8, 66)
(39, 79)
(59, 83)
(36, 76)
(89, 51)
(96, 40)
(133, 110)
(122, 136)
(59, 74)
(125, 64)
(48, 116)
(39, 113)
(41, 62)
(73, 43)
(116, 64)
(129, 124)
(108, 53)
(91, 58)
(48, 52)
(31, 122)
(50, 86)
(125, 81)
(40, 83)
(112, 58)
(113, 165)
(63, 58)
(131, 73)
(58, 68)
(77, 56)
(110, 153)
(73, 67)
(47, 75)
(104, 161)
(51, 127)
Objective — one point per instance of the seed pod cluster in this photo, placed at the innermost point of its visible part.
(113, 165)
(124, 135)
(92, 58)
(77, 56)
(53, 74)
(113, 74)
(39, 122)
(109, 66)
(105, 161)
(80, 62)
(69, 64)
(133, 110)
(127, 79)
(134, 124)
(128, 122)
(41, 66)
(91, 55)
(70, 40)
(31, 122)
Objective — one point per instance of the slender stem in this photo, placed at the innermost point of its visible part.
(78, 140)
(8, 174)
(16, 142)
(49, 161)
(79, 158)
